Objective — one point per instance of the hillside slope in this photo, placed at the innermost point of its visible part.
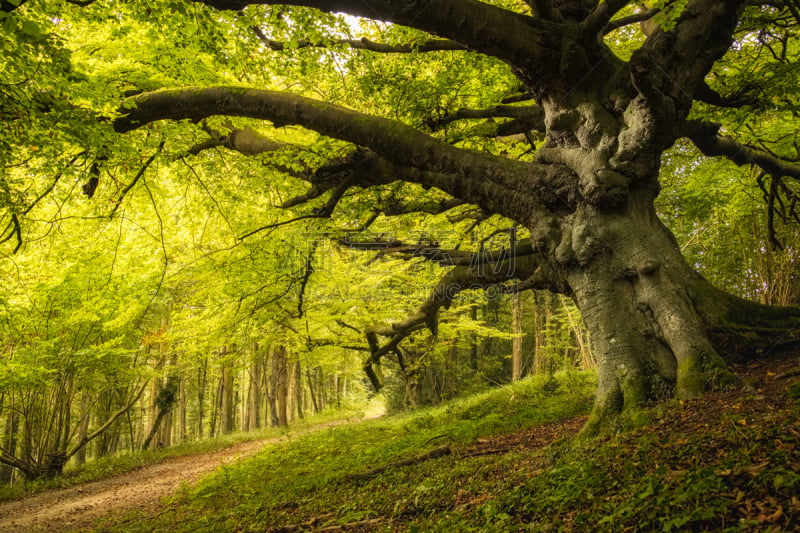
(510, 460)
(507, 461)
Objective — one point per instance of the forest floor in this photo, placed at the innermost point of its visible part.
(503, 460)
(142, 489)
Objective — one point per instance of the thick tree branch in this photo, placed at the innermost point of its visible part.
(602, 15)
(246, 141)
(705, 135)
(671, 64)
(427, 316)
(396, 207)
(544, 9)
(8, 7)
(444, 257)
(495, 183)
(632, 19)
(512, 37)
(524, 97)
(526, 118)
(706, 94)
(432, 45)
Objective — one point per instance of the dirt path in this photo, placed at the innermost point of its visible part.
(142, 489)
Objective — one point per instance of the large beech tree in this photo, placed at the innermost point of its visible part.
(600, 115)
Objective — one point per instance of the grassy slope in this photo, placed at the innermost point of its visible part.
(727, 462)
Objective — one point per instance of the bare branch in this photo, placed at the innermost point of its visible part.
(396, 206)
(632, 19)
(524, 97)
(13, 229)
(432, 251)
(136, 179)
(246, 141)
(427, 316)
(706, 94)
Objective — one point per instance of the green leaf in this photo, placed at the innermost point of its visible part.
(31, 28)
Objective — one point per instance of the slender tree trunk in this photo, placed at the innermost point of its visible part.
(516, 343)
(227, 389)
(183, 433)
(280, 385)
(586, 357)
(475, 346)
(337, 397)
(83, 428)
(254, 395)
(9, 443)
(270, 387)
(202, 383)
(312, 390)
(297, 379)
(217, 407)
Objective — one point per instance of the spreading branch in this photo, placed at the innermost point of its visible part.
(528, 117)
(427, 316)
(430, 45)
(497, 184)
(481, 27)
(671, 64)
(246, 141)
(445, 257)
(636, 18)
(742, 97)
(781, 199)
(705, 135)
(602, 15)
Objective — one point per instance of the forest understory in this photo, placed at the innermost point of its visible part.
(726, 462)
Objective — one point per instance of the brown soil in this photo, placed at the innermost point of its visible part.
(142, 489)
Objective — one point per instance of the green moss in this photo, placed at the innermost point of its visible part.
(691, 379)
(793, 391)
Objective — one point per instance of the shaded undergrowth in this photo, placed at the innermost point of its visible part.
(726, 462)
